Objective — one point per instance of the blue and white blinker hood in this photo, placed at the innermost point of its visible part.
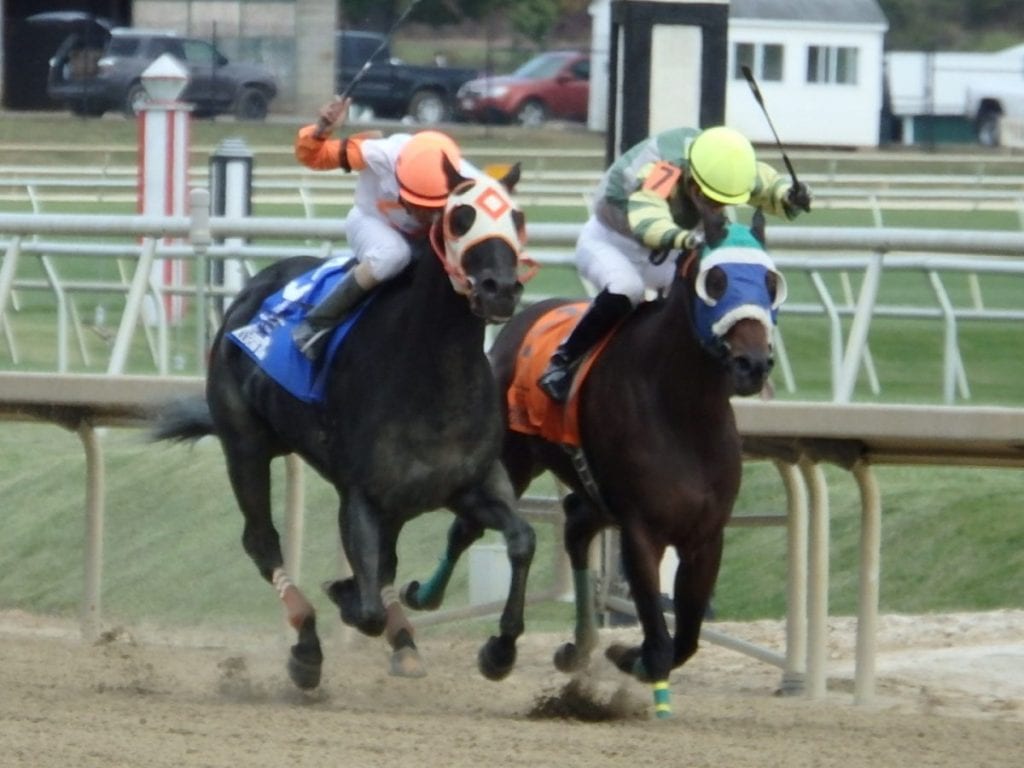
(746, 266)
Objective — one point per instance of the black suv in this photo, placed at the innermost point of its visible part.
(91, 80)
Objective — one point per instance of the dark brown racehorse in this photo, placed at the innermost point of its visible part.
(658, 440)
(410, 423)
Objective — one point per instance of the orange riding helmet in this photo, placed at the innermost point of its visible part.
(420, 169)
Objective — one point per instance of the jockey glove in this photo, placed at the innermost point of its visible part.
(798, 198)
(689, 240)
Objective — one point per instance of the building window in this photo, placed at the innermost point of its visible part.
(831, 65)
(764, 60)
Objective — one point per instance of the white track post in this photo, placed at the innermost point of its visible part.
(132, 307)
(795, 670)
(858, 338)
(94, 493)
(231, 196)
(870, 569)
(163, 163)
(199, 234)
(817, 573)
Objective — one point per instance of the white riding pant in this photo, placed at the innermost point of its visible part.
(376, 243)
(618, 263)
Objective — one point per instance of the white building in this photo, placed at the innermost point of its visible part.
(819, 67)
(818, 64)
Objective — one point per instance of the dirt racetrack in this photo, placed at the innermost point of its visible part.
(951, 693)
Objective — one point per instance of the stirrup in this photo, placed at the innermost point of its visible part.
(309, 340)
(556, 381)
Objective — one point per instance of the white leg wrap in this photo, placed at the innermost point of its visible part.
(389, 595)
(281, 582)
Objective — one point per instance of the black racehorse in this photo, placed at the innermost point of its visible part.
(410, 422)
(658, 454)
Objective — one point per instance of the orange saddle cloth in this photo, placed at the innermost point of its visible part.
(530, 410)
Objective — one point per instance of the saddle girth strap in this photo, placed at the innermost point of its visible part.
(579, 463)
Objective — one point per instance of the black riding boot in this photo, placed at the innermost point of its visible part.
(312, 333)
(605, 311)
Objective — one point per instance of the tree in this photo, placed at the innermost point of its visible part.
(534, 19)
(381, 14)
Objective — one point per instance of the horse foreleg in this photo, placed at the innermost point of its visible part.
(358, 598)
(405, 658)
(582, 524)
(694, 582)
(250, 480)
(428, 595)
(492, 505)
(652, 661)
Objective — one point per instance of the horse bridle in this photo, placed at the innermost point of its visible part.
(718, 347)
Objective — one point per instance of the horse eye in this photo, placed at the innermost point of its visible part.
(460, 219)
(715, 283)
(771, 282)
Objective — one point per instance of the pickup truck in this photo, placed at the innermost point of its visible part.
(392, 88)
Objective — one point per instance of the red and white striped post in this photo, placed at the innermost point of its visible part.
(163, 164)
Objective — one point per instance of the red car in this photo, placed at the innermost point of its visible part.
(554, 85)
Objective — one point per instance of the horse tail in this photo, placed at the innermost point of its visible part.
(182, 420)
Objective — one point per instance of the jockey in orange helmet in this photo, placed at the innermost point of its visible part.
(402, 188)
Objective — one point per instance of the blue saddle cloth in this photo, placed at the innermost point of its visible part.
(267, 339)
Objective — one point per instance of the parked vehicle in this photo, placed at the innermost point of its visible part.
(983, 87)
(553, 85)
(92, 80)
(392, 88)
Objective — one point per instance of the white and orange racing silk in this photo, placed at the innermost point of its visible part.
(374, 159)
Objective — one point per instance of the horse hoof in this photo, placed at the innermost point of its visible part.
(304, 668)
(345, 594)
(496, 658)
(406, 662)
(624, 657)
(569, 659)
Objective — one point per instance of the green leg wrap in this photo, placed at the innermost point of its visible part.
(585, 620)
(433, 588)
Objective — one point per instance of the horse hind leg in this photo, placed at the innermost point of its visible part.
(582, 524)
(250, 479)
(428, 595)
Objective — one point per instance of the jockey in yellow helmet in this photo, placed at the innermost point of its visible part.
(648, 203)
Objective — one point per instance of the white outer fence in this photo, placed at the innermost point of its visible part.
(797, 436)
(868, 253)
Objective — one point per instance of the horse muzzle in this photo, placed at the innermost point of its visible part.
(750, 372)
(494, 301)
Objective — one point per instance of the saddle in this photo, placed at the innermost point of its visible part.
(530, 410)
(267, 338)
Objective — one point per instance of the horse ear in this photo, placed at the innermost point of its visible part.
(757, 226)
(511, 178)
(452, 173)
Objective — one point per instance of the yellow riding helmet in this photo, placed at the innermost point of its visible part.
(420, 170)
(722, 162)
